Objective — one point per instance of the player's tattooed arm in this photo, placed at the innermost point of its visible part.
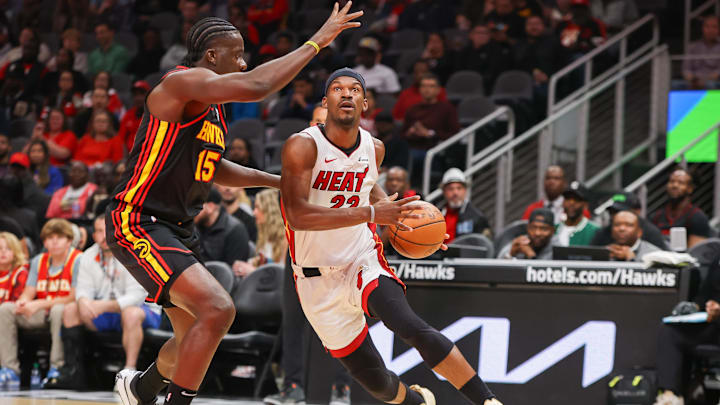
(234, 175)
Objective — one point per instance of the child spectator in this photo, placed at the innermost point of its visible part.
(13, 268)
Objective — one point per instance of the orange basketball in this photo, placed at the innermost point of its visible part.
(427, 235)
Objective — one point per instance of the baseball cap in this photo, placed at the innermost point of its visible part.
(576, 189)
(214, 196)
(141, 85)
(453, 175)
(21, 159)
(369, 43)
(624, 202)
(544, 215)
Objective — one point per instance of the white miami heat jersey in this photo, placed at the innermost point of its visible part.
(338, 181)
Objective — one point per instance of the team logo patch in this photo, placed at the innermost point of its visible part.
(143, 246)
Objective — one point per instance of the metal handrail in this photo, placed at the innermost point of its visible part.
(468, 133)
(586, 60)
(690, 14)
(670, 160)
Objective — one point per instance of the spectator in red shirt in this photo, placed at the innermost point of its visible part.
(555, 184)
(411, 96)
(104, 81)
(131, 120)
(267, 15)
(100, 144)
(73, 200)
(100, 100)
(582, 32)
(13, 268)
(60, 140)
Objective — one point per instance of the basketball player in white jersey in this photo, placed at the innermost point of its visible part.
(330, 204)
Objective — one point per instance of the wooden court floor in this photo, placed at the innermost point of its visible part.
(60, 397)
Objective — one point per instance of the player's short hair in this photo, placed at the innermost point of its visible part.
(200, 35)
(57, 226)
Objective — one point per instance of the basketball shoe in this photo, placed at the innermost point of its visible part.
(292, 394)
(668, 398)
(427, 395)
(340, 395)
(126, 389)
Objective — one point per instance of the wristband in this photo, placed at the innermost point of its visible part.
(372, 214)
(314, 45)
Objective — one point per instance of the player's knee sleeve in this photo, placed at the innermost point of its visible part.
(366, 366)
(389, 304)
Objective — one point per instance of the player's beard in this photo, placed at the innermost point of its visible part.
(347, 121)
(455, 204)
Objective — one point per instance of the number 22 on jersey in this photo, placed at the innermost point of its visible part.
(207, 161)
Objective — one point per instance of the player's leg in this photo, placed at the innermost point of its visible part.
(132, 318)
(388, 303)
(366, 366)
(198, 293)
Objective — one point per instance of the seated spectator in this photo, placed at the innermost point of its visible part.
(428, 123)
(267, 15)
(301, 99)
(526, 8)
(396, 146)
(540, 55)
(367, 117)
(46, 176)
(100, 144)
(27, 35)
(237, 16)
(5, 150)
(71, 40)
(130, 122)
(538, 242)
(100, 101)
(319, 115)
(73, 15)
(60, 140)
(177, 51)
(271, 246)
(397, 181)
(16, 102)
(65, 96)
(461, 217)
(108, 56)
(411, 95)
(12, 205)
(485, 56)
(679, 211)
(72, 200)
(559, 12)
(50, 285)
(703, 73)
(103, 80)
(64, 62)
(222, 236)
(504, 18)
(629, 202)
(554, 184)
(109, 299)
(33, 71)
(575, 229)
(31, 197)
(677, 341)
(13, 268)
(628, 244)
(427, 16)
(377, 76)
(581, 33)
(150, 51)
(239, 152)
(438, 57)
(237, 203)
(615, 14)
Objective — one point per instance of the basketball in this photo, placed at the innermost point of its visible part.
(427, 235)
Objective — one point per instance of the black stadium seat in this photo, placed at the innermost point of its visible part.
(464, 83)
(510, 232)
(475, 240)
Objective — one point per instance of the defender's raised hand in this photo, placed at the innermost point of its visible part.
(338, 22)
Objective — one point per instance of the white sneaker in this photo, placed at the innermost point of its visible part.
(669, 398)
(427, 395)
(122, 386)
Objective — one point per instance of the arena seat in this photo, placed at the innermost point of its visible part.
(464, 83)
(474, 240)
(253, 131)
(122, 82)
(385, 101)
(222, 273)
(513, 85)
(510, 232)
(474, 108)
(20, 127)
(406, 39)
(705, 252)
(165, 20)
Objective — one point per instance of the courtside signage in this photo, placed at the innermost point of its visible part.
(595, 338)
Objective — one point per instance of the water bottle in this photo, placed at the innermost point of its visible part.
(35, 380)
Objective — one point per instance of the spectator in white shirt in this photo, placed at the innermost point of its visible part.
(377, 76)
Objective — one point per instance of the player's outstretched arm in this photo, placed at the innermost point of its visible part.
(298, 158)
(205, 86)
(231, 174)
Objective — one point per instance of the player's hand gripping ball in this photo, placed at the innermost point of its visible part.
(427, 235)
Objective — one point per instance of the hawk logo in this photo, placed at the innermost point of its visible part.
(143, 246)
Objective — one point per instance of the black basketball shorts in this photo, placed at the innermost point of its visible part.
(154, 251)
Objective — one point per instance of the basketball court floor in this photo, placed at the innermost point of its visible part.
(60, 397)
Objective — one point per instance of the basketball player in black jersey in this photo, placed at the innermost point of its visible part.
(176, 156)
